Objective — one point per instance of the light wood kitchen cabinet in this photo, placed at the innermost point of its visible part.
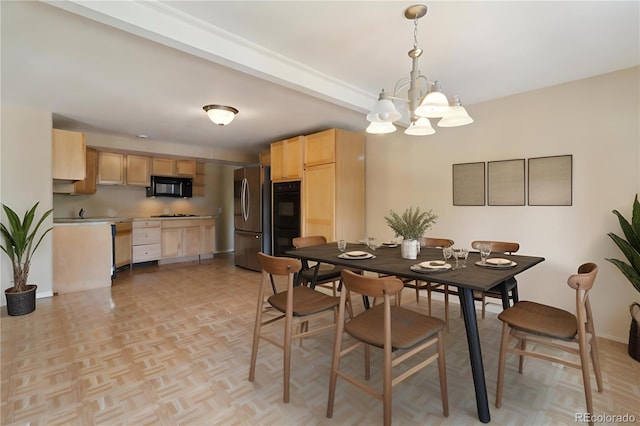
(333, 192)
(181, 237)
(198, 181)
(163, 167)
(123, 244)
(138, 170)
(286, 159)
(145, 240)
(88, 184)
(68, 155)
(186, 168)
(208, 236)
(111, 168)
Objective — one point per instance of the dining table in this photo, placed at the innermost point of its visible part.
(476, 275)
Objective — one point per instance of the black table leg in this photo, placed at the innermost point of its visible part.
(475, 354)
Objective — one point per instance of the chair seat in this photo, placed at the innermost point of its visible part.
(326, 272)
(407, 327)
(305, 301)
(541, 319)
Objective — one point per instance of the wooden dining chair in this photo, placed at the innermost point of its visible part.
(392, 328)
(296, 305)
(321, 274)
(531, 322)
(510, 285)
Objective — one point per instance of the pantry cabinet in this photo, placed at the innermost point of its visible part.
(333, 194)
(286, 159)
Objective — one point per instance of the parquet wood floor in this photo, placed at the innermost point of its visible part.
(171, 345)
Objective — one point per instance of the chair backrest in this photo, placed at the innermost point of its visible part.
(436, 242)
(498, 246)
(310, 241)
(272, 265)
(371, 286)
(585, 277)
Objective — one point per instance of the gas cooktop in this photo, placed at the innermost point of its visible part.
(176, 215)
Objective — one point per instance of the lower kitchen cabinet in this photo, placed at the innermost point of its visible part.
(208, 236)
(180, 238)
(123, 244)
(145, 240)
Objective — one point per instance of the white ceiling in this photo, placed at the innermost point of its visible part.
(291, 67)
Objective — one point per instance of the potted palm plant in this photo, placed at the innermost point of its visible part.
(630, 247)
(411, 226)
(20, 242)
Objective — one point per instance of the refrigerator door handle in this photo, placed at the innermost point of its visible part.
(248, 200)
(242, 198)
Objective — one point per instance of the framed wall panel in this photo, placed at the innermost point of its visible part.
(550, 181)
(505, 181)
(468, 184)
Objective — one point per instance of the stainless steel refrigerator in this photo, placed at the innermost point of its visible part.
(251, 215)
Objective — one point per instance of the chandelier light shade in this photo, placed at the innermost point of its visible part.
(220, 114)
(424, 98)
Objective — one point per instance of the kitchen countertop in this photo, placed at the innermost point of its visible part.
(99, 220)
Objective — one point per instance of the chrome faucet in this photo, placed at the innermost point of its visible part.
(81, 213)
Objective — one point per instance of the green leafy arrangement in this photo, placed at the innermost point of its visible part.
(19, 240)
(412, 224)
(629, 247)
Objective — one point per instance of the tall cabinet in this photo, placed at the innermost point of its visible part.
(333, 196)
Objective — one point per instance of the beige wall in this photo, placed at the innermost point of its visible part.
(25, 177)
(596, 120)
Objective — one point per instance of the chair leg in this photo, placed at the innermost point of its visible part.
(595, 357)
(442, 370)
(429, 298)
(387, 387)
(335, 359)
(504, 341)
(256, 331)
(288, 330)
(584, 361)
(417, 292)
(523, 347)
(483, 305)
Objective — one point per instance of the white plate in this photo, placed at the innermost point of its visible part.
(356, 253)
(364, 256)
(419, 268)
(498, 261)
(511, 264)
(431, 264)
(390, 245)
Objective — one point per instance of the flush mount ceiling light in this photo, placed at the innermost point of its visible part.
(424, 98)
(220, 114)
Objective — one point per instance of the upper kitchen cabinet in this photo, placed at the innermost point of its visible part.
(88, 185)
(186, 168)
(138, 170)
(173, 167)
(198, 181)
(163, 167)
(286, 159)
(333, 185)
(68, 155)
(111, 168)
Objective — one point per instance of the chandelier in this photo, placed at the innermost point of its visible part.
(425, 98)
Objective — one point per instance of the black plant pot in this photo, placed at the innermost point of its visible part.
(21, 303)
(634, 340)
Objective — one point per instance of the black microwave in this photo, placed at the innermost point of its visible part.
(162, 186)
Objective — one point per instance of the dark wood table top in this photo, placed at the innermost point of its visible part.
(389, 261)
